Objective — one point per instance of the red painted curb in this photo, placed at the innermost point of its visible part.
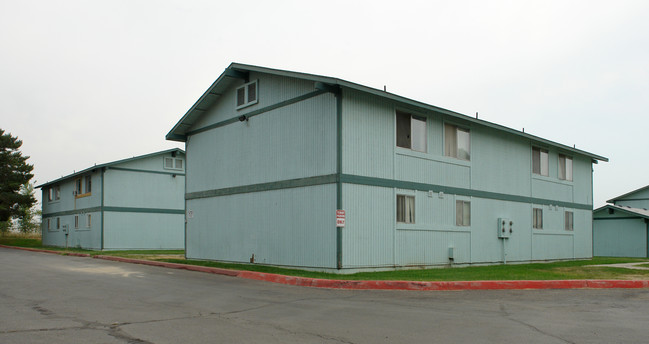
(376, 285)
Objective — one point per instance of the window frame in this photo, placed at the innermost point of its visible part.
(88, 220)
(452, 141)
(78, 187)
(88, 183)
(58, 223)
(76, 221)
(50, 194)
(174, 163)
(405, 219)
(49, 224)
(568, 168)
(246, 95)
(461, 205)
(541, 155)
(57, 193)
(569, 220)
(537, 218)
(411, 134)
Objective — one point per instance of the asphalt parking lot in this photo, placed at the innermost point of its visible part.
(47, 298)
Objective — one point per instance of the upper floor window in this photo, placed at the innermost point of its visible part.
(88, 184)
(411, 131)
(540, 161)
(50, 194)
(405, 209)
(77, 186)
(57, 192)
(247, 94)
(173, 163)
(565, 167)
(457, 142)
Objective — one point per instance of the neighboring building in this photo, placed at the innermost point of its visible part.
(621, 229)
(273, 154)
(135, 203)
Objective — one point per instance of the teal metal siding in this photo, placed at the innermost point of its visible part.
(294, 227)
(620, 237)
(267, 186)
(295, 141)
(135, 204)
(249, 183)
(500, 168)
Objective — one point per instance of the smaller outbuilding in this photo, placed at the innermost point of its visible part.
(135, 203)
(621, 228)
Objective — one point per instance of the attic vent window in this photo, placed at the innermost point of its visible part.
(247, 94)
(173, 163)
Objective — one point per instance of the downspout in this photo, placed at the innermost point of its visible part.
(101, 208)
(339, 172)
(184, 195)
(647, 222)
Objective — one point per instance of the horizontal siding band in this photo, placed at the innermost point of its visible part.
(400, 184)
(618, 218)
(235, 119)
(145, 171)
(144, 210)
(115, 209)
(381, 182)
(73, 212)
(284, 184)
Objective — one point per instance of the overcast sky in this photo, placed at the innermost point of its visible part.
(85, 82)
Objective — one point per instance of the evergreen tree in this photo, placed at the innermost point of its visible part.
(14, 173)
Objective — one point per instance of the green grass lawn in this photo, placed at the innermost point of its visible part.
(580, 269)
(537, 271)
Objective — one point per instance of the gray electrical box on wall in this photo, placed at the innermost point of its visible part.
(505, 228)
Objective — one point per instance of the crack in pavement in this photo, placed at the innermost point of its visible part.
(508, 315)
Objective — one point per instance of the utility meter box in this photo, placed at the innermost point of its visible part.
(505, 228)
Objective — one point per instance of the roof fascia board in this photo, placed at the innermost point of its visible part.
(108, 164)
(627, 211)
(335, 81)
(621, 198)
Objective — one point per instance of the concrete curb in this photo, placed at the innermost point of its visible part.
(47, 251)
(376, 285)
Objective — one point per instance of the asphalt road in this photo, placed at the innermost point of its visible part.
(46, 298)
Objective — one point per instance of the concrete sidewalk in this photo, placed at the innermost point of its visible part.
(382, 285)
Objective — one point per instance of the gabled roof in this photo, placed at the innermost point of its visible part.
(626, 195)
(177, 150)
(639, 212)
(239, 71)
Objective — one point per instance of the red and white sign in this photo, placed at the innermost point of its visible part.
(340, 218)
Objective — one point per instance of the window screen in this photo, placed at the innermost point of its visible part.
(403, 130)
(569, 220)
(405, 209)
(537, 218)
(462, 213)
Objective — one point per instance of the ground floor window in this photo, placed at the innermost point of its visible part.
(88, 220)
(537, 218)
(58, 223)
(462, 213)
(76, 221)
(49, 224)
(569, 221)
(405, 209)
